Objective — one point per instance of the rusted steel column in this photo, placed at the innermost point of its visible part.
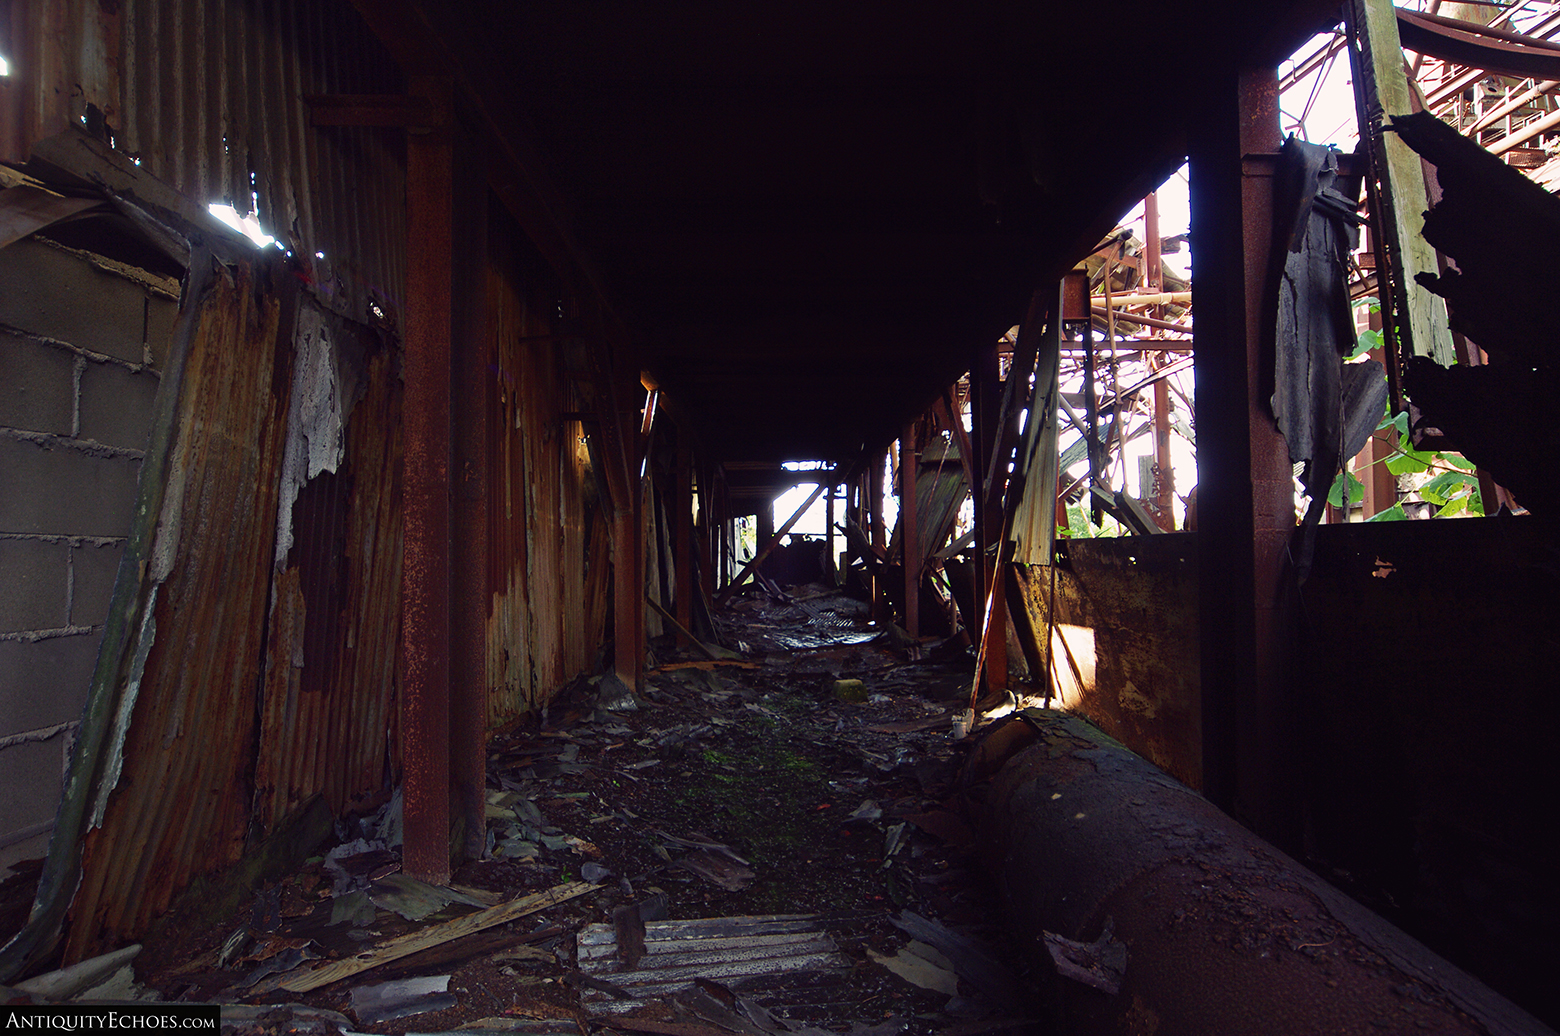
(985, 404)
(682, 546)
(1164, 487)
(473, 348)
(628, 563)
(1214, 931)
(879, 531)
(765, 517)
(910, 536)
(1245, 496)
(706, 530)
(425, 570)
(828, 527)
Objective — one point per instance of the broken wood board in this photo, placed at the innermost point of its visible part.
(706, 664)
(404, 946)
(753, 954)
(1382, 91)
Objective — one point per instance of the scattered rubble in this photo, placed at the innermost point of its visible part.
(753, 845)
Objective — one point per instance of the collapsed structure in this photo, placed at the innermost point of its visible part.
(549, 296)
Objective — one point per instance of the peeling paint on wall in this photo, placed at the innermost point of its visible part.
(314, 420)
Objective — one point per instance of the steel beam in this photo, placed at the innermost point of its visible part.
(473, 347)
(426, 415)
(682, 544)
(628, 564)
(1245, 488)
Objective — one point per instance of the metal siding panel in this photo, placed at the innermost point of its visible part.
(182, 800)
(200, 92)
(334, 624)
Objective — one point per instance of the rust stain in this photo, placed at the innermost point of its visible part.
(545, 619)
(205, 763)
(330, 675)
(1134, 600)
(182, 803)
(209, 97)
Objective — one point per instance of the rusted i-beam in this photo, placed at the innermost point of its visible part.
(682, 546)
(473, 357)
(425, 576)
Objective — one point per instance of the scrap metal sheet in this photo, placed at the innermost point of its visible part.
(792, 957)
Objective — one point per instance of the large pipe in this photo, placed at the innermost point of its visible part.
(1221, 932)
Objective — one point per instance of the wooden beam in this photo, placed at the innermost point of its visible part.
(1382, 91)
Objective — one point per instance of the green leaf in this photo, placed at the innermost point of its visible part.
(1367, 341)
(1356, 489)
(1457, 460)
(1447, 485)
(1395, 513)
(1453, 507)
(1407, 463)
(1078, 523)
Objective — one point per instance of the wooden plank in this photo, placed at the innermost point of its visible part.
(303, 980)
(1382, 92)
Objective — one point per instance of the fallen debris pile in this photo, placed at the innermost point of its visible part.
(749, 850)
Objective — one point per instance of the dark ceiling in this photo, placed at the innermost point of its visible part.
(810, 215)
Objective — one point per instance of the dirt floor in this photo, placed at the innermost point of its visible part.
(755, 848)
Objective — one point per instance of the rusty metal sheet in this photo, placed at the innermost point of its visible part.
(209, 98)
(301, 611)
(545, 618)
(182, 800)
(1124, 645)
(330, 681)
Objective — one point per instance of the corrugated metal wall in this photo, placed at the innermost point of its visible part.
(539, 636)
(335, 619)
(208, 95)
(270, 672)
(181, 805)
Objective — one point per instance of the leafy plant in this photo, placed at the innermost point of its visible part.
(1453, 489)
(1356, 489)
(1079, 527)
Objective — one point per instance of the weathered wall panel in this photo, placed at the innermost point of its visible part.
(541, 633)
(1125, 651)
(210, 98)
(181, 804)
(330, 680)
(1426, 667)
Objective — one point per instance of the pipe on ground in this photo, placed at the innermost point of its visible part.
(1222, 933)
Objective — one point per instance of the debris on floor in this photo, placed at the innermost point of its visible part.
(759, 845)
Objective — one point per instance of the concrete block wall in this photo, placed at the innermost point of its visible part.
(82, 340)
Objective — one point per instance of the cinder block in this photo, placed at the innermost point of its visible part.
(93, 569)
(30, 778)
(60, 491)
(34, 848)
(44, 682)
(116, 405)
(37, 387)
(34, 584)
(161, 314)
(53, 293)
